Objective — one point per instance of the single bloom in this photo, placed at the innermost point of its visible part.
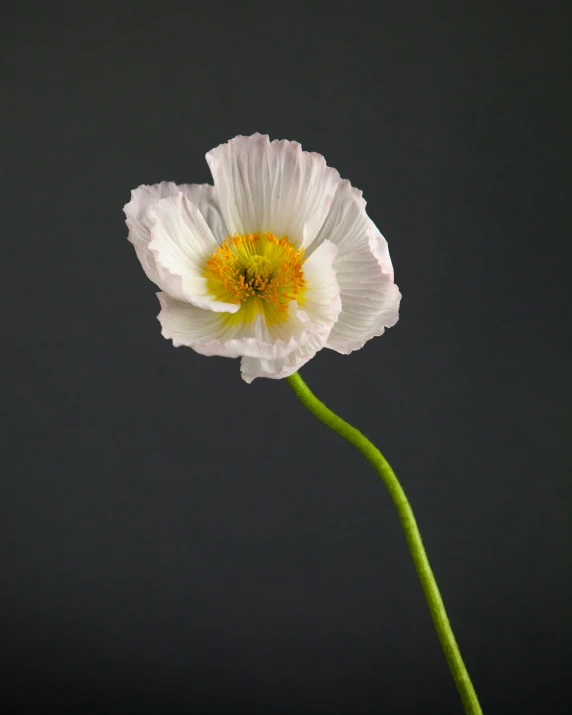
(273, 263)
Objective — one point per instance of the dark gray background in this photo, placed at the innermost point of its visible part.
(174, 540)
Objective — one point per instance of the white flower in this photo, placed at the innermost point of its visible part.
(274, 262)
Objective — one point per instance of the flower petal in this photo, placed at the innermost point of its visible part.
(203, 196)
(272, 186)
(181, 243)
(370, 299)
(322, 297)
(208, 333)
(251, 368)
(140, 216)
(321, 303)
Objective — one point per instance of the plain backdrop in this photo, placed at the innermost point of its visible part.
(176, 541)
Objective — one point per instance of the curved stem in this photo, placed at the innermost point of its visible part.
(416, 548)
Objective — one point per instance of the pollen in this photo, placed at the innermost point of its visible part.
(261, 272)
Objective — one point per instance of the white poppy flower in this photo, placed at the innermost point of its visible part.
(274, 262)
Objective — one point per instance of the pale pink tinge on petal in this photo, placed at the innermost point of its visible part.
(370, 298)
(140, 218)
(140, 215)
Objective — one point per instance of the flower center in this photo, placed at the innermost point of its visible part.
(258, 266)
(260, 271)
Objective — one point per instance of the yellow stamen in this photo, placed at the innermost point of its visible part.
(262, 272)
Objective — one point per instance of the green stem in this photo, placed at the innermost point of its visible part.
(416, 548)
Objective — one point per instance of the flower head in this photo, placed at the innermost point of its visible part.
(274, 262)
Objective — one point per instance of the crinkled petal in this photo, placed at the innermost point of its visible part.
(181, 244)
(370, 298)
(203, 196)
(211, 333)
(251, 368)
(140, 216)
(272, 186)
(322, 304)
